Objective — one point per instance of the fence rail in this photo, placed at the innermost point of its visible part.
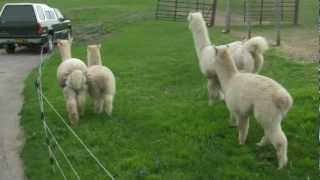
(178, 10)
(265, 10)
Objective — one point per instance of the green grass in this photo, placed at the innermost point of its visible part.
(162, 127)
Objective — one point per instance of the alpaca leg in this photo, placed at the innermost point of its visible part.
(71, 104)
(279, 141)
(73, 111)
(81, 99)
(271, 123)
(264, 141)
(233, 121)
(243, 129)
(213, 90)
(108, 103)
(98, 105)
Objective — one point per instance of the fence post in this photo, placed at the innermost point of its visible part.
(228, 17)
(175, 9)
(157, 11)
(278, 21)
(248, 18)
(197, 5)
(261, 12)
(296, 12)
(213, 13)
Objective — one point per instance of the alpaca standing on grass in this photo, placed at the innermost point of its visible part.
(246, 93)
(72, 78)
(101, 81)
(247, 55)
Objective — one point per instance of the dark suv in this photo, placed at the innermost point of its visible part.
(32, 25)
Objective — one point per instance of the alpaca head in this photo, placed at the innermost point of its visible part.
(196, 21)
(77, 80)
(64, 47)
(93, 55)
(224, 58)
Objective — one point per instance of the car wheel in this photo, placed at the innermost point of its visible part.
(11, 48)
(49, 47)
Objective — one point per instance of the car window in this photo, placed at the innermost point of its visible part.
(50, 15)
(58, 13)
(21, 13)
(40, 12)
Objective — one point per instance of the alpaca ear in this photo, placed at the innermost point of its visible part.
(215, 50)
(70, 41)
(59, 42)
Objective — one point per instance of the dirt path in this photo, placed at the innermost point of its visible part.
(13, 70)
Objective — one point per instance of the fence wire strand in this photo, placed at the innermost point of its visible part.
(62, 151)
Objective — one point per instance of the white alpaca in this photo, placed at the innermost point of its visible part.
(248, 55)
(247, 93)
(71, 75)
(101, 81)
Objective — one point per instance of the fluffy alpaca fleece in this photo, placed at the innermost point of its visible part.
(71, 75)
(247, 55)
(93, 55)
(247, 93)
(101, 82)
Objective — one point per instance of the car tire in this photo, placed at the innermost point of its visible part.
(50, 45)
(11, 48)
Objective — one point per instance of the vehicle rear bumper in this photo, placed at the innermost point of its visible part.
(23, 41)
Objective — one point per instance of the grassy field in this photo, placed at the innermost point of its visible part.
(162, 127)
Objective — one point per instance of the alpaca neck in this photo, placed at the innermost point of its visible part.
(65, 52)
(225, 70)
(201, 39)
(94, 59)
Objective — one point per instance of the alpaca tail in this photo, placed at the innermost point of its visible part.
(110, 84)
(76, 80)
(283, 101)
(257, 46)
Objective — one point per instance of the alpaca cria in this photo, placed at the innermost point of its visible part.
(101, 82)
(247, 93)
(71, 75)
(247, 55)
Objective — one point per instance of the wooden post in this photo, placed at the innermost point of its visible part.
(175, 9)
(213, 13)
(248, 18)
(261, 12)
(319, 38)
(296, 12)
(278, 21)
(197, 5)
(228, 17)
(282, 12)
(157, 11)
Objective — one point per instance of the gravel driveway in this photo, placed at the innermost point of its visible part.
(13, 70)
